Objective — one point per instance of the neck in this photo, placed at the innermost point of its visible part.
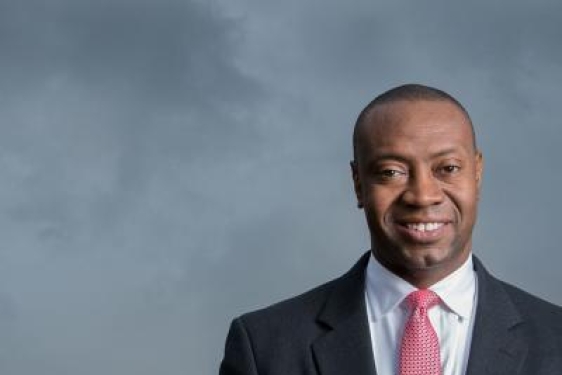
(425, 276)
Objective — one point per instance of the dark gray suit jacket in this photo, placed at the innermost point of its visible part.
(325, 332)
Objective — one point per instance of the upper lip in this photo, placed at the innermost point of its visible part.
(422, 221)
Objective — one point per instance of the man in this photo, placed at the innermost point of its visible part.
(418, 302)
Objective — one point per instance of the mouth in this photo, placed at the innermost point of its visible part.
(424, 231)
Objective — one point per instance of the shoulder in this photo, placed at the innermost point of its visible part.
(534, 308)
(539, 321)
(293, 312)
(502, 294)
(277, 336)
(528, 323)
(542, 324)
(301, 318)
(277, 339)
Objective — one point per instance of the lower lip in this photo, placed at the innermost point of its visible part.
(422, 237)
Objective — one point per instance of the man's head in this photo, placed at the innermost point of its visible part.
(417, 174)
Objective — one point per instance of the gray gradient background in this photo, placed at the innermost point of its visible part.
(168, 165)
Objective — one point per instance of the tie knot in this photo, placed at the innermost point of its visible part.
(423, 298)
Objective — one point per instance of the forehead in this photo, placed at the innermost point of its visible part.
(416, 127)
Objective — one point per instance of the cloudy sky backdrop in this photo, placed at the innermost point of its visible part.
(170, 164)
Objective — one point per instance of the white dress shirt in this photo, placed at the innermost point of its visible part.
(452, 319)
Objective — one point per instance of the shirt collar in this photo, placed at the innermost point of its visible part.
(457, 291)
(385, 290)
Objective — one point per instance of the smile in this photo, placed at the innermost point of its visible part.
(423, 232)
(424, 227)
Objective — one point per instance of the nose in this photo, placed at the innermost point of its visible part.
(423, 190)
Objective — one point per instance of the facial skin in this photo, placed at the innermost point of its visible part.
(416, 163)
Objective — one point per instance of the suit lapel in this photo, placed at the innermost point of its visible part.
(345, 349)
(497, 346)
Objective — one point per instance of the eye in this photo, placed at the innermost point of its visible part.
(389, 174)
(449, 169)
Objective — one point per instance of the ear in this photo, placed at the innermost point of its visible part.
(356, 183)
(479, 169)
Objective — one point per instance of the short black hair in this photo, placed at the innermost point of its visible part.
(408, 92)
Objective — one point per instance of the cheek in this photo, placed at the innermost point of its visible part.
(466, 204)
(378, 204)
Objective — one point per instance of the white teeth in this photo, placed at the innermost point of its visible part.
(423, 227)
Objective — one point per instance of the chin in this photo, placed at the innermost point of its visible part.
(426, 259)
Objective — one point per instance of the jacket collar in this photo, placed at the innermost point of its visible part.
(346, 347)
(497, 344)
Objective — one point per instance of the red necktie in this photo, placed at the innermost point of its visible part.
(419, 353)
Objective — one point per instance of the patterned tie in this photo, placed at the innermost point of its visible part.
(419, 353)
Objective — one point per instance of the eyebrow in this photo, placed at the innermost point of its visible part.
(447, 151)
(394, 156)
